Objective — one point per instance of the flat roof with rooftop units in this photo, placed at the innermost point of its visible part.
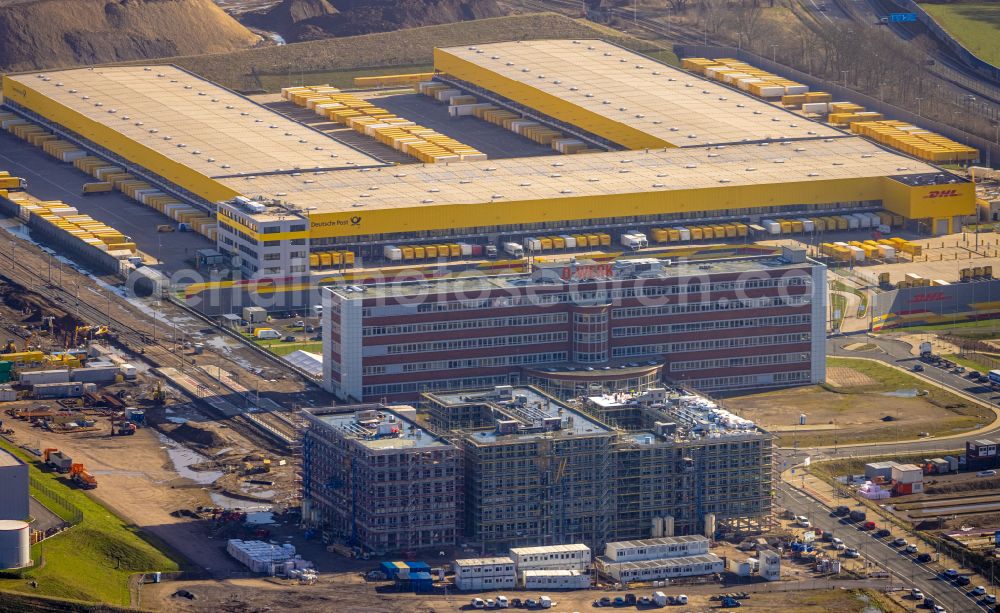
(523, 413)
(377, 428)
(626, 98)
(173, 122)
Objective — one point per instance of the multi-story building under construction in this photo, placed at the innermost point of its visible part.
(536, 471)
(373, 477)
(683, 465)
(514, 467)
(664, 463)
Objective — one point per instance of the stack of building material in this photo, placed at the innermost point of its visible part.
(260, 557)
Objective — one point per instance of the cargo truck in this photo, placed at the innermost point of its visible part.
(81, 477)
(634, 241)
(59, 461)
(12, 184)
(513, 249)
(100, 187)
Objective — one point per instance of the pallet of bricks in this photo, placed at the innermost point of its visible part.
(420, 142)
(146, 194)
(915, 141)
(745, 77)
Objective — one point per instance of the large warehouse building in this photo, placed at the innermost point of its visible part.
(678, 149)
(718, 326)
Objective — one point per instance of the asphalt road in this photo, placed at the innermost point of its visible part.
(49, 179)
(902, 566)
(923, 576)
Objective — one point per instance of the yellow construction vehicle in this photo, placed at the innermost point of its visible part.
(158, 396)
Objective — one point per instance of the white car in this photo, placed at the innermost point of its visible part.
(939, 609)
(478, 603)
(990, 599)
(503, 602)
(916, 594)
(490, 603)
(911, 548)
(986, 473)
(979, 590)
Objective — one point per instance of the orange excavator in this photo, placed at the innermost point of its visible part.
(81, 477)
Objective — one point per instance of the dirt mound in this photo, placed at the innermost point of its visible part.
(59, 33)
(190, 433)
(301, 20)
(285, 16)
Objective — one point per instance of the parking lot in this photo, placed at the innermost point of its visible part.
(49, 179)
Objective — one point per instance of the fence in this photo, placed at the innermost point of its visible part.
(969, 58)
(990, 150)
(52, 495)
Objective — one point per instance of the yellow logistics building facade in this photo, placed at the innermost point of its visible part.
(668, 148)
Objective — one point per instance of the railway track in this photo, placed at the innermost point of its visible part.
(267, 427)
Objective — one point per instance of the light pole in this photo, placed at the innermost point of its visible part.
(774, 54)
(844, 72)
(919, 114)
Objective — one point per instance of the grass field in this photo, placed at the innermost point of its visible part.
(278, 347)
(975, 25)
(982, 330)
(91, 561)
(854, 411)
(855, 466)
(339, 59)
(343, 79)
(840, 286)
(838, 305)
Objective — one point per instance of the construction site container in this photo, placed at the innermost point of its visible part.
(58, 390)
(771, 227)
(553, 579)
(807, 225)
(37, 377)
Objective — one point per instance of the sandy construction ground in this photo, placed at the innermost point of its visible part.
(136, 479)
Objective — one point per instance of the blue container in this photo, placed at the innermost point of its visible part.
(390, 569)
(418, 567)
(421, 582)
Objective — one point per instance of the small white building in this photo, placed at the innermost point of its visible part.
(555, 579)
(565, 557)
(485, 574)
(656, 549)
(907, 473)
(665, 568)
(770, 564)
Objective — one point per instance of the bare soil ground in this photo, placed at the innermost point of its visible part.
(859, 403)
(137, 480)
(348, 594)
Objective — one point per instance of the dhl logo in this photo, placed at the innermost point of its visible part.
(942, 193)
(930, 297)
